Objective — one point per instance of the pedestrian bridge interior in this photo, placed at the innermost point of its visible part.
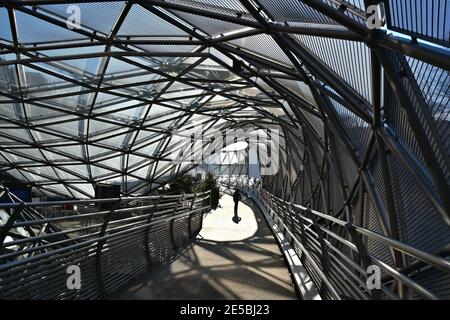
(229, 261)
(113, 93)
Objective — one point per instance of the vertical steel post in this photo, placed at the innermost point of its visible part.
(100, 244)
(147, 231)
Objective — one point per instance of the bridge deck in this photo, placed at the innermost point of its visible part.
(230, 261)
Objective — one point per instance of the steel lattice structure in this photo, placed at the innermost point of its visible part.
(364, 113)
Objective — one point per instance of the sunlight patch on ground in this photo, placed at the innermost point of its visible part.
(218, 226)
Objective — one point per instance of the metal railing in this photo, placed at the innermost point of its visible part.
(117, 240)
(334, 252)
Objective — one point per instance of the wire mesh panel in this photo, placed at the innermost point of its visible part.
(429, 20)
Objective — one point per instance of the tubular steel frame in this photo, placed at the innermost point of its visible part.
(368, 142)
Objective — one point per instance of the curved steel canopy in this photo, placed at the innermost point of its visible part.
(364, 113)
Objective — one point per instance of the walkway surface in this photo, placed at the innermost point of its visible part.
(230, 261)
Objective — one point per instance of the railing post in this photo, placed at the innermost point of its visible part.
(210, 200)
(363, 255)
(147, 230)
(190, 215)
(100, 244)
(172, 224)
(285, 216)
(324, 258)
(201, 221)
(294, 230)
(303, 241)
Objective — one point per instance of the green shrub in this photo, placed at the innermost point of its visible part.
(180, 184)
(210, 183)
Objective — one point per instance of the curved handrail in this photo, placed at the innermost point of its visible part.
(110, 246)
(290, 215)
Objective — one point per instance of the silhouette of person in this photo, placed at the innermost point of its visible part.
(236, 198)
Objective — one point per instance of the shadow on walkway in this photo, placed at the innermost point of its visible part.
(217, 267)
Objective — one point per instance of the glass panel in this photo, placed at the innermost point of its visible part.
(99, 171)
(136, 160)
(27, 153)
(80, 169)
(55, 156)
(65, 175)
(44, 171)
(97, 16)
(142, 172)
(29, 33)
(70, 128)
(5, 30)
(10, 111)
(23, 175)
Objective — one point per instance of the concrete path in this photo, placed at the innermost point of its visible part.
(230, 261)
